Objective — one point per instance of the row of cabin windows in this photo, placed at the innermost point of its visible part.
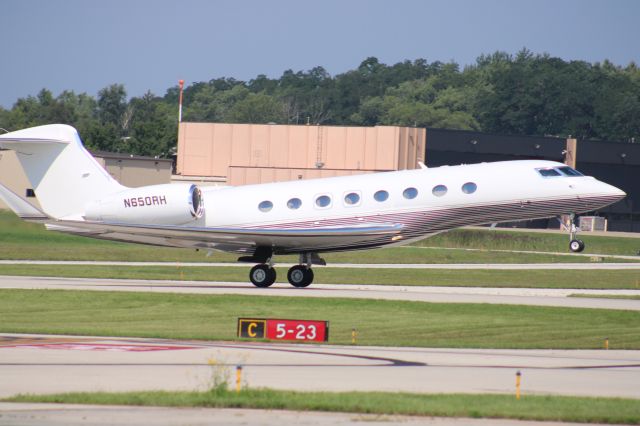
(353, 198)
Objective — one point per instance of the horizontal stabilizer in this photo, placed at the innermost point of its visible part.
(63, 174)
(20, 206)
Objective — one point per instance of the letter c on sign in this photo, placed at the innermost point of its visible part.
(250, 331)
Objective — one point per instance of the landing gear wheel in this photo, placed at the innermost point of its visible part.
(300, 276)
(262, 275)
(576, 246)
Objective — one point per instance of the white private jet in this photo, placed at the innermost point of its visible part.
(304, 217)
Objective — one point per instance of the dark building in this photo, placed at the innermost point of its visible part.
(616, 163)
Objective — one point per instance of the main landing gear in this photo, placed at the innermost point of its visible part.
(575, 245)
(264, 274)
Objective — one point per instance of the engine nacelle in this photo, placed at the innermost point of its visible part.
(169, 204)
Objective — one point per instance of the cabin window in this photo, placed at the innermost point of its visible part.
(469, 188)
(265, 206)
(351, 199)
(294, 203)
(548, 172)
(569, 171)
(410, 193)
(323, 201)
(381, 196)
(439, 190)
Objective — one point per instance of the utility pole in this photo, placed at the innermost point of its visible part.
(181, 84)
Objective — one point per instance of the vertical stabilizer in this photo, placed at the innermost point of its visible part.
(63, 174)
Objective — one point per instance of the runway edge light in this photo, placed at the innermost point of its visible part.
(238, 377)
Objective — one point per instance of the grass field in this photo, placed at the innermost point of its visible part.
(578, 279)
(530, 407)
(379, 322)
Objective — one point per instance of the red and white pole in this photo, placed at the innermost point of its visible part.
(181, 84)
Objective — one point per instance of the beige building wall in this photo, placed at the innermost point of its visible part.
(254, 153)
(137, 171)
(253, 175)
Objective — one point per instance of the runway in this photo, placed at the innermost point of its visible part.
(52, 364)
(512, 296)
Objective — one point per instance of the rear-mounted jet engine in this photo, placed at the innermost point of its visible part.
(169, 204)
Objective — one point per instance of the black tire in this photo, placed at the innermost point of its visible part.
(300, 276)
(262, 275)
(576, 246)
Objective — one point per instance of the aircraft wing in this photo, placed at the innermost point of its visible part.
(239, 240)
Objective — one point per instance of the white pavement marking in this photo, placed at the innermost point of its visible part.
(30, 369)
(505, 266)
(511, 296)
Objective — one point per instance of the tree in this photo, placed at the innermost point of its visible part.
(525, 93)
(420, 103)
(113, 118)
(256, 108)
(306, 95)
(153, 130)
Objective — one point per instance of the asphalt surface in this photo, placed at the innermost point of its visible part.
(512, 296)
(53, 364)
(67, 414)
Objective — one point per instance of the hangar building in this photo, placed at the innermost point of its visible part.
(239, 154)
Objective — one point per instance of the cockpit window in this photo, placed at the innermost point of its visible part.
(569, 171)
(549, 172)
(558, 171)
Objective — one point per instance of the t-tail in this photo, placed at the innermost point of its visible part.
(64, 176)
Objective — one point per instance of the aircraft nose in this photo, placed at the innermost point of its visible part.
(618, 193)
(612, 193)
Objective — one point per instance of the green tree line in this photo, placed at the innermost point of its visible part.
(523, 94)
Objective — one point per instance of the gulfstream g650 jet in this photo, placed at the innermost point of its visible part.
(304, 217)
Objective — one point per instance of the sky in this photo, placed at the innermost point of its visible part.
(148, 45)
